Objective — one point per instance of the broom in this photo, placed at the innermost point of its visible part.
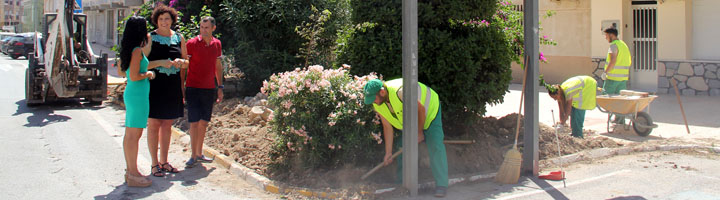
(509, 171)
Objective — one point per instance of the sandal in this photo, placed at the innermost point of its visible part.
(137, 181)
(169, 168)
(158, 173)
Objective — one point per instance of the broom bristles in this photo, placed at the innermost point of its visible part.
(509, 172)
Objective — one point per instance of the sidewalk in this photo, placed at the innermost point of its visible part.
(640, 174)
(113, 77)
(701, 112)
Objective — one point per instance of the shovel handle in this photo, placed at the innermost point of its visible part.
(396, 154)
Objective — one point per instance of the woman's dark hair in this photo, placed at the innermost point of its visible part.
(134, 35)
(162, 9)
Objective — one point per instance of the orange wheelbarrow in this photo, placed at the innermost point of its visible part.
(629, 107)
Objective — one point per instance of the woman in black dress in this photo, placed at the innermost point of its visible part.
(166, 90)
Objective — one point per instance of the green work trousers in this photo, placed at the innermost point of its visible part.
(613, 88)
(577, 119)
(434, 137)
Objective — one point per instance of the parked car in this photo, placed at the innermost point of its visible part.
(20, 45)
(3, 47)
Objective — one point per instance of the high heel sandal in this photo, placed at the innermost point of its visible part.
(137, 181)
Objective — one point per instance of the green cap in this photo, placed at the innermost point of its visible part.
(371, 89)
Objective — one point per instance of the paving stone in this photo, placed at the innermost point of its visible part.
(702, 93)
(663, 82)
(688, 92)
(714, 83)
(715, 92)
(709, 75)
(681, 86)
(697, 83)
(669, 72)
(686, 69)
(699, 69)
(661, 69)
(711, 67)
(680, 78)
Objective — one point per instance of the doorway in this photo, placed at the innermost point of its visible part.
(644, 74)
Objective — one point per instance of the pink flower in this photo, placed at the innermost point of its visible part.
(542, 58)
(331, 146)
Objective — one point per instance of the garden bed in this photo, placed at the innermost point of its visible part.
(248, 141)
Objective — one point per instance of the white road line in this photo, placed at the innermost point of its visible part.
(172, 192)
(569, 184)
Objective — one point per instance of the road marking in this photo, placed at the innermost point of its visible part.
(569, 184)
(172, 192)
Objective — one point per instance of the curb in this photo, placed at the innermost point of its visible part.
(250, 176)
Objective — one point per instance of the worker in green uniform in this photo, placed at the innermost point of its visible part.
(574, 97)
(387, 101)
(617, 67)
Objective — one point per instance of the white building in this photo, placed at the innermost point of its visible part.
(103, 18)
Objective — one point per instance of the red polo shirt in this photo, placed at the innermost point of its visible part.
(201, 72)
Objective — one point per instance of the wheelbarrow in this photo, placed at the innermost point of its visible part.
(629, 106)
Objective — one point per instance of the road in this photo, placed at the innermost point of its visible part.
(70, 150)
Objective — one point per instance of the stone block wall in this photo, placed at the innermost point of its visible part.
(701, 78)
(693, 77)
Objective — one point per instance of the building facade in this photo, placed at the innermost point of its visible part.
(668, 39)
(12, 12)
(32, 15)
(103, 18)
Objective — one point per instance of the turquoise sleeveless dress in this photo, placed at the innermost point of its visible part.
(136, 97)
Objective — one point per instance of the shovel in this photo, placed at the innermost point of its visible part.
(556, 175)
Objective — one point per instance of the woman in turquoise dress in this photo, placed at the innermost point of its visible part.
(135, 65)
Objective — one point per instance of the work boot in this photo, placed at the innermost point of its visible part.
(440, 191)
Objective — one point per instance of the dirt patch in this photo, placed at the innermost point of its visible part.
(247, 140)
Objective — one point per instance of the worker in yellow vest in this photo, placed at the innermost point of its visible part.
(574, 97)
(617, 67)
(388, 104)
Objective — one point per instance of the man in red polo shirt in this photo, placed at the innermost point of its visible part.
(204, 79)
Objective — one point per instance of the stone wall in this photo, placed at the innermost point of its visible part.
(701, 78)
(693, 77)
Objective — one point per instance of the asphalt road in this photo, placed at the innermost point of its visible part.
(70, 150)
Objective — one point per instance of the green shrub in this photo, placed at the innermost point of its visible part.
(264, 38)
(468, 65)
(319, 116)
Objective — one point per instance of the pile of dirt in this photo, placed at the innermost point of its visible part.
(235, 132)
(244, 137)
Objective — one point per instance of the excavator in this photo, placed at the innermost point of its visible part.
(63, 65)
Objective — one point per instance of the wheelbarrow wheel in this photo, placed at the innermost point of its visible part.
(642, 119)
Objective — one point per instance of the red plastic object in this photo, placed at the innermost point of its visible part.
(555, 176)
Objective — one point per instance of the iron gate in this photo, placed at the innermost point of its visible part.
(644, 75)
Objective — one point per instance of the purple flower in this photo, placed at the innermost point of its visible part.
(542, 58)
(173, 3)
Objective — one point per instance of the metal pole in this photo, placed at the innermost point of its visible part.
(530, 150)
(410, 88)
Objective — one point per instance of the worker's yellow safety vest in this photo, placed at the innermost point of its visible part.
(621, 70)
(582, 90)
(428, 98)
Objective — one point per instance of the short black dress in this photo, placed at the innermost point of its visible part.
(166, 88)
